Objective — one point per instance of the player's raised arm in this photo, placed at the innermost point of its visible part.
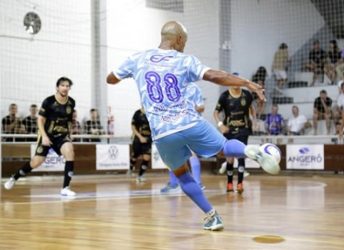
(225, 79)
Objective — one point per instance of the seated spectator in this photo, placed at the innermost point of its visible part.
(297, 123)
(333, 56)
(322, 111)
(258, 104)
(76, 128)
(30, 122)
(110, 122)
(260, 75)
(274, 122)
(280, 65)
(93, 126)
(317, 59)
(340, 67)
(338, 109)
(258, 127)
(11, 124)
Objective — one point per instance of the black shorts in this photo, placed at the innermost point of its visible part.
(57, 142)
(241, 137)
(141, 148)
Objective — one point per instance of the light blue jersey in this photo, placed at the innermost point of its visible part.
(162, 77)
(194, 93)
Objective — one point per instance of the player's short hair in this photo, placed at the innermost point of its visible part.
(64, 79)
(33, 106)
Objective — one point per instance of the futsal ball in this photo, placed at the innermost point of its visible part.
(274, 151)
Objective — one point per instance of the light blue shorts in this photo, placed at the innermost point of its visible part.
(203, 139)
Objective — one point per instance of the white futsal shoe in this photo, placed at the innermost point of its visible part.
(10, 183)
(266, 161)
(67, 192)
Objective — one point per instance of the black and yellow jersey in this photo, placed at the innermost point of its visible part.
(236, 110)
(58, 116)
(141, 124)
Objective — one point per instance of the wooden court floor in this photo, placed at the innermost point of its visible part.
(114, 212)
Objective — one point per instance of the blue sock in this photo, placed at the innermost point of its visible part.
(194, 191)
(173, 179)
(234, 148)
(196, 169)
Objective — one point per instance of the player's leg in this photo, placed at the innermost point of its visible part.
(229, 168)
(205, 140)
(192, 189)
(241, 166)
(143, 167)
(175, 154)
(134, 155)
(195, 165)
(145, 151)
(67, 150)
(36, 161)
(172, 184)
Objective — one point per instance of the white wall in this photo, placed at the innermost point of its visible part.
(30, 65)
(258, 27)
(133, 27)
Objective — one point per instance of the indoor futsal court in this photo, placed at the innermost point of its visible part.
(98, 97)
(113, 212)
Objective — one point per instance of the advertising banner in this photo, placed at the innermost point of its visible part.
(112, 156)
(309, 157)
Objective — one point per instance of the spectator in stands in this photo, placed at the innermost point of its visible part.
(317, 59)
(333, 56)
(280, 65)
(93, 126)
(11, 124)
(340, 67)
(338, 109)
(30, 122)
(110, 122)
(322, 111)
(274, 122)
(260, 75)
(76, 127)
(258, 103)
(259, 78)
(297, 123)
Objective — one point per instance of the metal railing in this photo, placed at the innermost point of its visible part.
(276, 139)
(21, 138)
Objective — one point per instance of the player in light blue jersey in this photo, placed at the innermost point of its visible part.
(162, 76)
(195, 94)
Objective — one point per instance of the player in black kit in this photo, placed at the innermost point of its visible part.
(236, 104)
(142, 142)
(54, 125)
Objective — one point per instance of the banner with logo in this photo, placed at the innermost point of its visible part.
(157, 163)
(310, 157)
(112, 156)
(53, 162)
